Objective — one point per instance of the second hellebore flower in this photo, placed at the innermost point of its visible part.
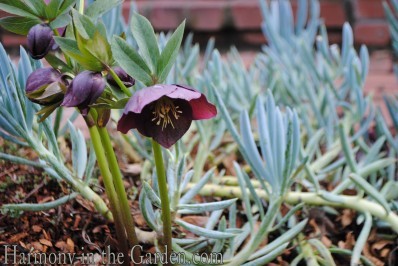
(127, 80)
(165, 112)
(45, 86)
(84, 90)
(40, 41)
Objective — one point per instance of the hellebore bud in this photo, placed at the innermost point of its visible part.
(84, 90)
(40, 41)
(127, 80)
(45, 86)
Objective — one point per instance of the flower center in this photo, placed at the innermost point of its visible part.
(164, 111)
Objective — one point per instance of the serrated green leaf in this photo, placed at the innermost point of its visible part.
(146, 39)
(16, 8)
(61, 21)
(169, 53)
(19, 25)
(57, 63)
(83, 25)
(130, 60)
(99, 7)
(52, 8)
(97, 47)
(38, 7)
(69, 47)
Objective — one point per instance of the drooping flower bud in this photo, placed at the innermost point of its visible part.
(127, 80)
(84, 90)
(45, 86)
(40, 41)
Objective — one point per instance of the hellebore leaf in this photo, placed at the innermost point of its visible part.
(17, 8)
(169, 53)
(69, 47)
(96, 47)
(38, 7)
(19, 25)
(46, 111)
(57, 63)
(83, 24)
(99, 7)
(52, 8)
(57, 8)
(66, 4)
(146, 39)
(130, 61)
(91, 40)
(120, 104)
(60, 21)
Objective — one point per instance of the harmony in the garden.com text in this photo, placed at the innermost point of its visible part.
(13, 256)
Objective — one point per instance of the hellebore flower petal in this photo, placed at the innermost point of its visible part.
(40, 77)
(202, 109)
(45, 86)
(165, 112)
(127, 80)
(84, 90)
(184, 92)
(40, 41)
(145, 96)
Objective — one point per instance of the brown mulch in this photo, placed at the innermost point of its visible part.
(77, 228)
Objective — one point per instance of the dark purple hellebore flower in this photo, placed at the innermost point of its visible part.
(40, 41)
(165, 112)
(84, 90)
(127, 80)
(45, 86)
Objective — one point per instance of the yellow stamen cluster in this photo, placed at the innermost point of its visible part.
(163, 112)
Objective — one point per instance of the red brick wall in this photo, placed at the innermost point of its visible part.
(243, 18)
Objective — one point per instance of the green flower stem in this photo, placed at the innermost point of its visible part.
(310, 198)
(110, 190)
(81, 6)
(164, 197)
(119, 82)
(119, 187)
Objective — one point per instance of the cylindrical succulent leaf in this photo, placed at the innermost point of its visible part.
(40, 40)
(45, 86)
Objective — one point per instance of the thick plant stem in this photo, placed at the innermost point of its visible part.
(120, 190)
(110, 191)
(310, 198)
(81, 6)
(164, 198)
(119, 82)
